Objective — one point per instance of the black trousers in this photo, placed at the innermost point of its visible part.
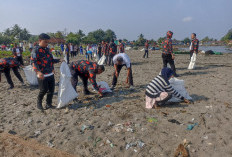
(146, 53)
(20, 59)
(119, 67)
(8, 76)
(110, 59)
(67, 57)
(74, 78)
(46, 85)
(167, 58)
(191, 54)
(107, 58)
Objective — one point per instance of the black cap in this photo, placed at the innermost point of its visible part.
(44, 36)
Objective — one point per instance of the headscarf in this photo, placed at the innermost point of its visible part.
(166, 73)
(169, 34)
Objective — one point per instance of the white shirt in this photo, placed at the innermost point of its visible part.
(125, 57)
(18, 52)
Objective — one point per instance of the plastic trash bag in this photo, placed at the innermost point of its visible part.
(102, 60)
(103, 87)
(142, 49)
(178, 85)
(66, 91)
(30, 75)
(127, 48)
(192, 62)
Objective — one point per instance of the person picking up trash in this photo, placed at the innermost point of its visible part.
(159, 90)
(121, 60)
(10, 63)
(85, 70)
(42, 61)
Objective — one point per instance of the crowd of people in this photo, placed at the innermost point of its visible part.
(158, 91)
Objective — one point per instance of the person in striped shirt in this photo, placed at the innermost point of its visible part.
(159, 90)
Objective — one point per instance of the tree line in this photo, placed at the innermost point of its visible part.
(16, 34)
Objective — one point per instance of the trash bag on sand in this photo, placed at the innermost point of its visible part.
(66, 91)
(102, 60)
(30, 75)
(192, 62)
(178, 85)
(103, 87)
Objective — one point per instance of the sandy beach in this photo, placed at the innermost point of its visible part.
(119, 124)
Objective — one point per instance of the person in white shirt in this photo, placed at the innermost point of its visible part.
(119, 61)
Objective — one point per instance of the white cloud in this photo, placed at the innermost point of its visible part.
(187, 19)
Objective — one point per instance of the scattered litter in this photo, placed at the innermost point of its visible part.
(138, 143)
(118, 128)
(12, 132)
(108, 105)
(206, 137)
(50, 144)
(181, 150)
(37, 133)
(227, 105)
(191, 126)
(135, 151)
(111, 145)
(193, 119)
(174, 121)
(210, 144)
(164, 114)
(88, 127)
(130, 130)
(110, 124)
(151, 120)
(209, 107)
(137, 125)
(183, 111)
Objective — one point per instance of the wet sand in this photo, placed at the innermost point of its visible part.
(126, 121)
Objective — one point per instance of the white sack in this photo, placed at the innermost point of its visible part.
(192, 62)
(66, 91)
(102, 60)
(142, 49)
(30, 75)
(104, 87)
(127, 48)
(178, 85)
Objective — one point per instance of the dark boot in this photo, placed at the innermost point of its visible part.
(39, 105)
(49, 106)
(87, 92)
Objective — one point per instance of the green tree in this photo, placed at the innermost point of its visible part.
(160, 40)
(228, 36)
(59, 35)
(109, 34)
(141, 40)
(186, 40)
(73, 38)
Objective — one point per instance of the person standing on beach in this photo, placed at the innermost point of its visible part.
(146, 49)
(194, 45)
(121, 47)
(167, 55)
(99, 51)
(18, 53)
(10, 63)
(42, 62)
(112, 52)
(121, 60)
(85, 70)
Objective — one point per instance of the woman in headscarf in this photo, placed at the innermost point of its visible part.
(159, 90)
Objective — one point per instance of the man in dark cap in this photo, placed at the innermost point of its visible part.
(42, 62)
(167, 55)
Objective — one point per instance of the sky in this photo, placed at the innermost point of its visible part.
(127, 18)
